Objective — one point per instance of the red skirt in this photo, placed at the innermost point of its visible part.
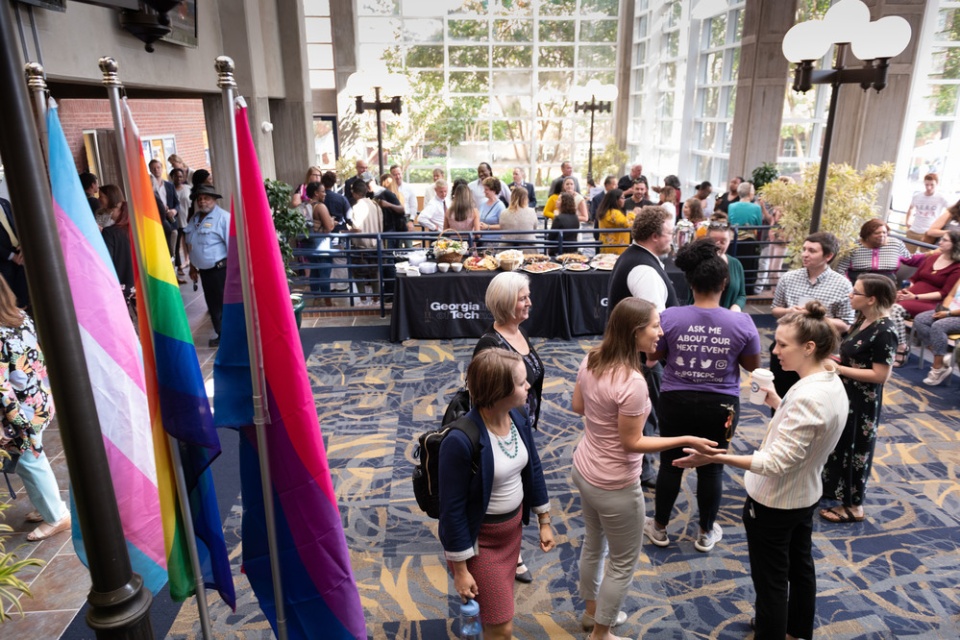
(494, 568)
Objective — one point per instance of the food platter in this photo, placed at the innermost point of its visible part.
(604, 261)
(541, 267)
(576, 266)
(572, 257)
(480, 263)
(535, 257)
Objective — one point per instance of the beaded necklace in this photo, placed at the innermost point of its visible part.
(512, 441)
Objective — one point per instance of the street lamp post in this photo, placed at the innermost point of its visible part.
(601, 99)
(847, 25)
(364, 83)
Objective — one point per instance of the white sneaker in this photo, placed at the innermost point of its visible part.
(588, 623)
(936, 376)
(657, 536)
(708, 540)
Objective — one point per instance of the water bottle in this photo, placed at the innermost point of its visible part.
(470, 627)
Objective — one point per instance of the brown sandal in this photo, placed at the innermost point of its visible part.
(52, 529)
(834, 516)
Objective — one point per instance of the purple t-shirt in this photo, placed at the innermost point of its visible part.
(702, 347)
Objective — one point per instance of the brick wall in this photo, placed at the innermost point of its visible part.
(182, 119)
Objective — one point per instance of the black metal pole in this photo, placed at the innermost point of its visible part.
(119, 605)
(817, 213)
(377, 105)
(593, 111)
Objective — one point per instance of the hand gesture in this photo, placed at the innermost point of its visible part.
(937, 315)
(706, 447)
(693, 459)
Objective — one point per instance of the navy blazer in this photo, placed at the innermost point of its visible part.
(531, 193)
(464, 495)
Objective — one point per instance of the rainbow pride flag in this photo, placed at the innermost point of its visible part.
(176, 393)
(320, 594)
(114, 365)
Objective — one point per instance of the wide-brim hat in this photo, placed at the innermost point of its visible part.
(207, 190)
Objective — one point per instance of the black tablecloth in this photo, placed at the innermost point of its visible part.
(451, 305)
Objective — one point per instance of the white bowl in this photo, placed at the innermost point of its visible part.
(427, 268)
(443, 267)
(416, 258)
(456, 266)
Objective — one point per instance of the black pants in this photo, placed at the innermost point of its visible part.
(176, 247)
(782, 380)
(214, 281)
(748, 253)
(781, 566)
(652, 426)
(706, 415)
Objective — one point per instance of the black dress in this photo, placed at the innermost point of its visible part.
(565, 221)
(848, 467)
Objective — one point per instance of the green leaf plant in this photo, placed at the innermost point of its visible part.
(850, 199)
(10, 566)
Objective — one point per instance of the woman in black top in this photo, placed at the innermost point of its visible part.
(508, 299)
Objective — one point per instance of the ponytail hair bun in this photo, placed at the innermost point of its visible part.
(815, 310)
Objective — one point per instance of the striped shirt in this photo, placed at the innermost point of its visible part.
(884, 260)
(785, 471)
(830, 288)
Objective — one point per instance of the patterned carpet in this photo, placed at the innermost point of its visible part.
(895, 575)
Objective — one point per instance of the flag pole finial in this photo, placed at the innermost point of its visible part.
(111, 71)
(225, 68)
(36, 78)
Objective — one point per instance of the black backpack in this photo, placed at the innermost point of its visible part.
(426, 473)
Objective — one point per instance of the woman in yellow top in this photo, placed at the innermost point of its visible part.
(610, 215)
(566, 185)
(550, 209)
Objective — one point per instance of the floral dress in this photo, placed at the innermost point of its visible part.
(24, 388)
(848, 467)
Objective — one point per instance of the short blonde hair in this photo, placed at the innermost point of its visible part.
(502, 294)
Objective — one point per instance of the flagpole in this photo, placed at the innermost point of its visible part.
(119, 604)
(37, 84)
(111, 80)
(225, 80)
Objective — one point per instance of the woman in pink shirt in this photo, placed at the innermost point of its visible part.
(611, 395)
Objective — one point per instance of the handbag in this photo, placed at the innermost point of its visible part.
(10, 466)
(458, 407)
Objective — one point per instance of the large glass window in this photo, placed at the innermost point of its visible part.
(928, 145)
(492, 80)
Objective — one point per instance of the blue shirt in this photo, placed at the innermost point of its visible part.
(745, 213)
(208, 237)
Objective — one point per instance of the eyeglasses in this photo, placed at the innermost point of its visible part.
(718, 226)
(857, 293)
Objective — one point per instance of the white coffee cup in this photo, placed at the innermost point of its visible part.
(456, 266)
(443, 267)
(760, 381)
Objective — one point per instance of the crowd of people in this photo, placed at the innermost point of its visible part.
(666, 379)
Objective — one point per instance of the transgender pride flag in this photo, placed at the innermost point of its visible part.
(114, 364)
(320, 595)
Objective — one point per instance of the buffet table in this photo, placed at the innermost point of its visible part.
(566, 304)
(451, 305)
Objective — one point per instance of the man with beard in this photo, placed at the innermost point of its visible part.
(208, 233)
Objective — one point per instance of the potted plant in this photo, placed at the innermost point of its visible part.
(10, 566)
(764, 175)
(291, 226)
(849, 200)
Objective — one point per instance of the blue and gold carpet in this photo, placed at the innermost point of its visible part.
(895, 575)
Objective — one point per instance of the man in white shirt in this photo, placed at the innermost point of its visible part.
(434, 214)
(640, 273)
(924, 209)
(409, 195)
(485, 171)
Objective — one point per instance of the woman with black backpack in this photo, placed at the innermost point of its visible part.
(482, 507)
